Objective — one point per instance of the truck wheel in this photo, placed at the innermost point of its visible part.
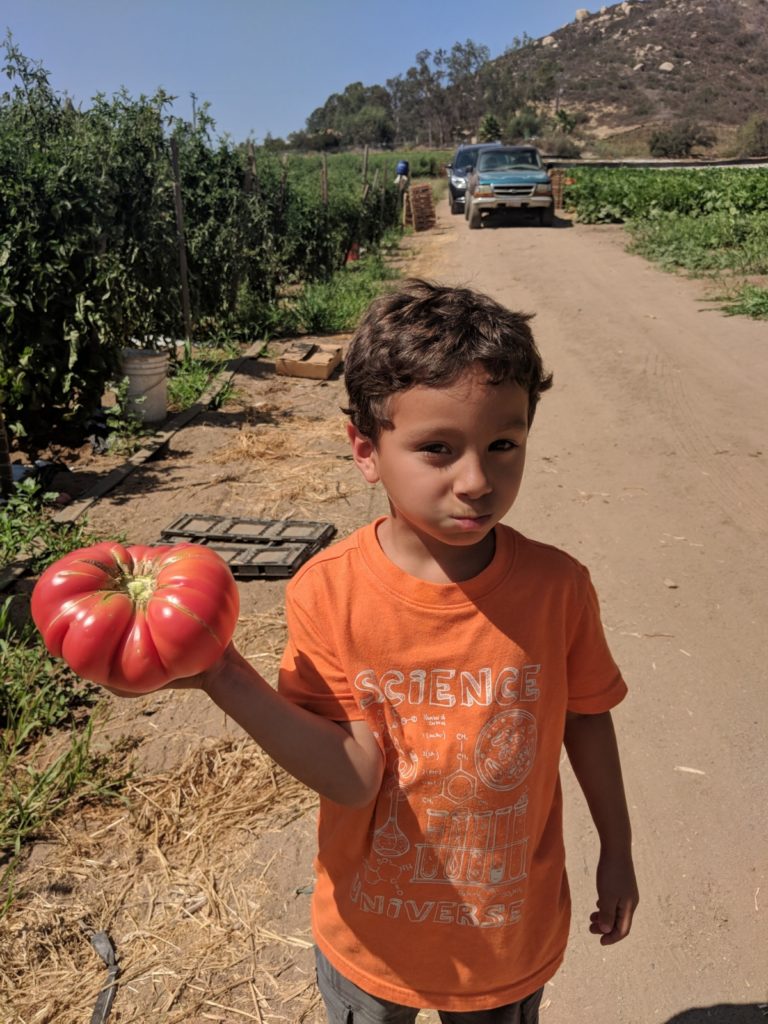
(456, 207)
(473, 217)
(547, 216)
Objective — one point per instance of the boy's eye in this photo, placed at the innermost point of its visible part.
(503, 445)
(435, 448)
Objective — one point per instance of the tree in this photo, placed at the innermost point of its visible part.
(428, 76)
(361, 115)
(489, 129)
(501, 90)
(274, 144)
(464, 84)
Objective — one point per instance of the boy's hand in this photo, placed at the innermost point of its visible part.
(617, 898)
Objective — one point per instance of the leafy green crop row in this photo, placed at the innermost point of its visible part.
(612, 195)
(708, 221)
(705, 244)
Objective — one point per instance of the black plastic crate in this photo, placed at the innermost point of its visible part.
(253, 547)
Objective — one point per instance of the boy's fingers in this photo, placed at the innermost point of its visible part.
(605, 918)
(624, 916)
(612, 927)
(608, 921)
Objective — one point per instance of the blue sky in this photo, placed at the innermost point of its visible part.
(262, 67)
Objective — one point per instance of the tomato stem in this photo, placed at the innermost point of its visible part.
(140, 588)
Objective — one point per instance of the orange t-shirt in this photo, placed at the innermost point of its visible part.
(449, 890)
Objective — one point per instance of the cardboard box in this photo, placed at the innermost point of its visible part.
(316, 360)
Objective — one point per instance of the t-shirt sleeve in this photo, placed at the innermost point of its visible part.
(311, 673)
(595, 683)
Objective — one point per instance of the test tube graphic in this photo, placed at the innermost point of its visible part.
(428, 863)
(454, 864)
(477, 845)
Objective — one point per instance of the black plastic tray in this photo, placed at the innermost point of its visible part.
(253, 547)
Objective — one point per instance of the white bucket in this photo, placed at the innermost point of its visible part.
(147, 374)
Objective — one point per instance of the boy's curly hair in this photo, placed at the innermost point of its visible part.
(427, 334)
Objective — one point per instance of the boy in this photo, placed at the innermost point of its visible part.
(436, 663)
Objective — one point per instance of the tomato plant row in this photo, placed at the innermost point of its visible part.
(89, 246)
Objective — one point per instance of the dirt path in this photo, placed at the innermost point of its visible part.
(648, 462)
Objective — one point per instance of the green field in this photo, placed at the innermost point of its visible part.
(708, 222)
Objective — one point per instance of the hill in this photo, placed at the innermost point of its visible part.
(647, 62)
(620, 73)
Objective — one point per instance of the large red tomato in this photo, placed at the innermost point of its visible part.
(134, 618)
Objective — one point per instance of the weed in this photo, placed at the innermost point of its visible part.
(38, 696)
(27, 530)
(328, 307)
(126, 429)
(194, 373)
(749, 300)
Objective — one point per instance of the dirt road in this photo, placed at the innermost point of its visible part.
(648, 462)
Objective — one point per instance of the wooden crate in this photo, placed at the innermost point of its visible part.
(419, 207)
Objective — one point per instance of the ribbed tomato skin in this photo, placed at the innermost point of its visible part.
(87, 615)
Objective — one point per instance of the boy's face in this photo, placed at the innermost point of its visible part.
(451, 464)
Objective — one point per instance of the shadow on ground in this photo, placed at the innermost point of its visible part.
(520, 219)
(723, 1013)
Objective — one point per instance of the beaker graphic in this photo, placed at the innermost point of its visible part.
(389, 840)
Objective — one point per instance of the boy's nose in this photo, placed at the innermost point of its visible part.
(472, 479)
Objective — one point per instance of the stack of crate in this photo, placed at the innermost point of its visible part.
(557, 177)
(419, 207)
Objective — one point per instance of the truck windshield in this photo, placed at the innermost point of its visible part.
(524, 160)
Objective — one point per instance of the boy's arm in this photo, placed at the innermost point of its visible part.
(340, 760)
(590, 742)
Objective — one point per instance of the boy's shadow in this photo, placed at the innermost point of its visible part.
(723, 1013)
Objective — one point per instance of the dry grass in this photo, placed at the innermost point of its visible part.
(172, 875)
(304, 460)
(263, 635)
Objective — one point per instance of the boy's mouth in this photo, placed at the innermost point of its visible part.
(471, 522)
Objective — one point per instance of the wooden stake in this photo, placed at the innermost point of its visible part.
(6, 472)
(183, 270)
(249, 180)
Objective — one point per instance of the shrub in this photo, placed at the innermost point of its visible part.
(679, 140)
(752, 139)
(560, 145)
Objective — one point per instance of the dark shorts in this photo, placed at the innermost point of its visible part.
(345, 1003)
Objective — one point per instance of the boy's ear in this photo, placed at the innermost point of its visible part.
(364, 454)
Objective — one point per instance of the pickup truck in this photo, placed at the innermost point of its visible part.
(506, 178)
